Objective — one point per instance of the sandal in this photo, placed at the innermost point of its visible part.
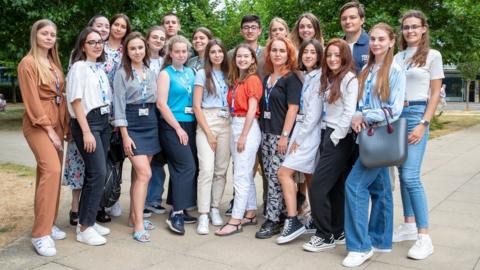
(142, 237)
(147, 225)
(238, 228)
(249, 221)
(73, 218)
(102, 216)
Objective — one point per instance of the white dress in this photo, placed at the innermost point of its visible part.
(307, 133)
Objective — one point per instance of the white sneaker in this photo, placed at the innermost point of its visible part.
(97, 227)
(45, 246)
(57, 234)
(202, 227)
(422, 248)
(404, 232)
(91, 237)
(115, 210)
(381, 250)
(217, 219)
(355, 259)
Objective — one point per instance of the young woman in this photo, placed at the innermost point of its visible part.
(278, 28)
(156, 41)
(177, 129)
(213, 133)
(279, 109)
(200, 38)
(306, 27)
(119, 29)
(89, 96)
(42, 84)
(134, 100)
(243, 99)
(74, 171)
(339, 90)
(302, 153)
(424, 71)
(382, 85)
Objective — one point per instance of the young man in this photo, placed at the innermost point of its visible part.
(352, 17)
(171, 22)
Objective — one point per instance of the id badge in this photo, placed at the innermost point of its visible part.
(188, 110)
(267, 115)
(143, 112)
(104, 110)
(300, 118)
(58, 100)
(223, 114)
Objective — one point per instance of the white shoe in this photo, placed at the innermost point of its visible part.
(202, 227)
(355, 259)
(45, 246)
(217, 219)
(381, 250)
(57, 234)
(91, 237)
(115, 210)
(404, 232)
(97, 227)
(422, 248)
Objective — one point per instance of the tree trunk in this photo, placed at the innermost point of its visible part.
(14, 92)
(467, 93)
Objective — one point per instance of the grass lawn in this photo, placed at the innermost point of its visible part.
(12, 118)
(446, 124)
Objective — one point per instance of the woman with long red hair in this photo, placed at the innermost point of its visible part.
(279, 108)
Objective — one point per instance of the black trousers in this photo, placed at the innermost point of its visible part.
(327, 191)
(182, 166)
(95, 164)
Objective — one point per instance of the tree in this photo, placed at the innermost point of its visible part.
(469, 70)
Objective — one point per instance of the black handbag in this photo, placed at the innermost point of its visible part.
(113, 181)
(384, 146)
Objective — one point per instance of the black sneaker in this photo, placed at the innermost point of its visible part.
(157, 209)
(230, 208)
(176, 223)
(269, 228)
(310, 226)
(318, 243)
(340, 239)
(188, 219)
(292, 229)
(147, 213)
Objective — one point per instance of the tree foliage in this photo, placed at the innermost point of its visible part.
(454, 24)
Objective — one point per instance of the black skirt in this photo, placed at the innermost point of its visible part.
(143, 129)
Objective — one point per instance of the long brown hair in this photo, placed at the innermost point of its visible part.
(210, 85)
(234, 74)
(127, 21)
(335, 77)
(294, 35)
(126, 61)
(420, 56)
(382, 83)
(45, 76)
(291, 63)
(78, 53)
(161, 53)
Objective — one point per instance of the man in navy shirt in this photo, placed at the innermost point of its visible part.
(352, 17)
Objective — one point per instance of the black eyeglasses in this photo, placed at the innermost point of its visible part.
(93, 43)
(251, 28)
(408, 27)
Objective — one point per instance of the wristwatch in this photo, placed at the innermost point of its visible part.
(424, 122)
(285, 133)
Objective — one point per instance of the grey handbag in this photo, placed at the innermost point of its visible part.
(383, 146)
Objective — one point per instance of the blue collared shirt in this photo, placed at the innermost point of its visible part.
(361, 51)
(371, 105)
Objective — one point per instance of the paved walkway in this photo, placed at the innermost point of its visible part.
(451, 174)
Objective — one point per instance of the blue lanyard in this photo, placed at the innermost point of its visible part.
(368, 89)
(304, 89)
(268, 91)
(404, 57)
(223, 88)
(183, 80)
(143, 83)
(57, 82)
(101, 83)
(234, 92)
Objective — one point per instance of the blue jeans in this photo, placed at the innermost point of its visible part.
(413, 195)
(155, 186)
(363, 184)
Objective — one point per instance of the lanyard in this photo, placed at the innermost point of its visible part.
(234, 92)
(183, 80)
(305, 87)
(371, 75)
(405, 56)
(268, 91)
(57, 81)
(101, 83)
(143, 83)
(223, 88)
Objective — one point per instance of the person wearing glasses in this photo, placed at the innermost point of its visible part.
(89, 98)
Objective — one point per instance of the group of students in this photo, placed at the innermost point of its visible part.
(293, 106)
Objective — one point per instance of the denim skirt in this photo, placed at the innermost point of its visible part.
(143, 129)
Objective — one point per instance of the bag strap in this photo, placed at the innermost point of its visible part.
(389, 125)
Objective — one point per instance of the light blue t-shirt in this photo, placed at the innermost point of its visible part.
(180, 94)
(218, 100)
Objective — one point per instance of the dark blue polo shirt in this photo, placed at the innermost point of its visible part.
(360, 51)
